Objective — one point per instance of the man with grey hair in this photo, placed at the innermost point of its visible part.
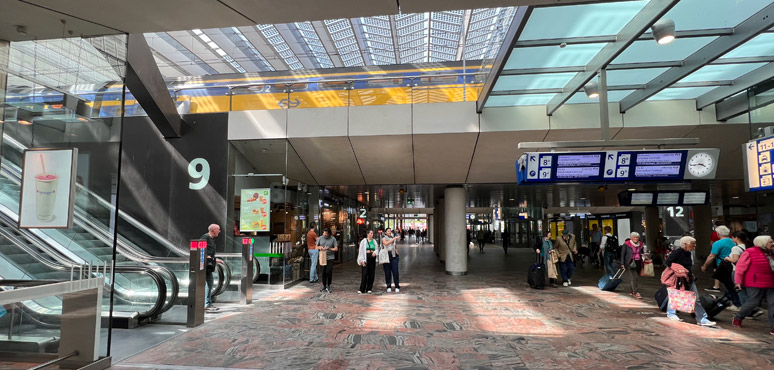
(724, 269)
(212, 232)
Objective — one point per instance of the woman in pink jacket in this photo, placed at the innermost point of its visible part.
(754, 273)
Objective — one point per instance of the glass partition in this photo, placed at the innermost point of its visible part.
(67, 94)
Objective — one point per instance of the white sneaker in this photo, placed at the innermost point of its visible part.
(359, 292)
(389, 290)
(369, 292)
(569, 282)
(565, 284)
(733, 308)
(674, 318)
(707, 323)
(397, 290)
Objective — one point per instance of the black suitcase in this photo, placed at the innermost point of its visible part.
(714, 305)
(610, 283)
(536, 277)
(662, 298)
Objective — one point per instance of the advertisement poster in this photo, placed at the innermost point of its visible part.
(48, 188)
(254, 210)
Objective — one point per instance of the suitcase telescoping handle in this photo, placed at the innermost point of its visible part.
(619, 273)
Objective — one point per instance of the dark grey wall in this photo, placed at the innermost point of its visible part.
(155, 180)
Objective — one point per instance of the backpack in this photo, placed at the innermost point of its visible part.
(612, 246)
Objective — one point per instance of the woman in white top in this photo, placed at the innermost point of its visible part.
(391, 269)
(366, 258)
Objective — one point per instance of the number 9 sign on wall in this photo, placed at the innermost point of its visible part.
(48, 188)
(255, 205)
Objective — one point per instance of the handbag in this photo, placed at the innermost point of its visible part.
(551, 268)
(323, 257)
(383, 256)
(682, 300)
(647, 269)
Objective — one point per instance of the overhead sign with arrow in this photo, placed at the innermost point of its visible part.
(758, 174)
(617, 166)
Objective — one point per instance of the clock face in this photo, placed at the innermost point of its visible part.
(701, 164)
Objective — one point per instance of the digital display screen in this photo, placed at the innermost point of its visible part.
(642, 198)
(659, 158)
(668, 198)
(695, 198)
(579, 160)
(576, 172)
(656, 171)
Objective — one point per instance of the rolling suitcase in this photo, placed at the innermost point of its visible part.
(714, 305)
(608, 283)
(536, 277)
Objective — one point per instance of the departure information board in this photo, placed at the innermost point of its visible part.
(758, 174)
(617, 166)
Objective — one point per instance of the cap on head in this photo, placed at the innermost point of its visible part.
(565, 232)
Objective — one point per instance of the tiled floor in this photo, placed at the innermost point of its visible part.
(489, 319)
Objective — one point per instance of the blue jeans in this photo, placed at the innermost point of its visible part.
(608, 260)
(391, 271)
(566, 268)
(314, 255)
(208, 283)
(701, 315)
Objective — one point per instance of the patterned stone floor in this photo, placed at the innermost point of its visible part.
(489, 319)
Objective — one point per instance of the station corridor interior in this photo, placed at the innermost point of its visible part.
(489, 319)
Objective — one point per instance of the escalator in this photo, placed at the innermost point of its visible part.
(139, 295)
(91, 238)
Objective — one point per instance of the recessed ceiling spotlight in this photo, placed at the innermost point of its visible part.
(663, 31)
(632, 189)
(735, 197)
(591, 89)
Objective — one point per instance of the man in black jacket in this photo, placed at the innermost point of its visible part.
(212, 232)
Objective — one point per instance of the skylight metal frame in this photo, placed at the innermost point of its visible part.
(217, 50)
(280, 46)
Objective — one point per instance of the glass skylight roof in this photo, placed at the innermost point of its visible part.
(558, 42)
(442, 36)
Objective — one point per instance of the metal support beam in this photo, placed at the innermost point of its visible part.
(753, 26)
(715, 32)
(144, 80)
(604, 109)
(613, 88)
(626, 66)
(733, 107)
(514, 31)
(740, 84)
(607, 143)
(630, 33)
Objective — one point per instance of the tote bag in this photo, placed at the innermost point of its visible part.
(682, 300)
(647, 269)
(383, 256)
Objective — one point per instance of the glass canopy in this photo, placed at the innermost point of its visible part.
(560, 42)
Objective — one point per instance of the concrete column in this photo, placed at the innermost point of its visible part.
(702, 227)
(441, 245)
(430, 228)
(454, 231)
(652, 225)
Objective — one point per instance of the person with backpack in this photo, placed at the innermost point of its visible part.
(609, 249)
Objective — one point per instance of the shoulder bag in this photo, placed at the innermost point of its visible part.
(383, 256)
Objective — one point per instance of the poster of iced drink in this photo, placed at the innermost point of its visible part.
(48, 188)
(255, 209)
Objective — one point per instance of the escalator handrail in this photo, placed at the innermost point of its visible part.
(65, 265)
(224, 276)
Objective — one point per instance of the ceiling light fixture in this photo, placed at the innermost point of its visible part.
(591, 89)
(663, 31)
(632, 189)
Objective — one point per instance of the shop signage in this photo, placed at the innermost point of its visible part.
(255, 210)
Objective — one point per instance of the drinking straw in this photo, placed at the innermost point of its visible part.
(42, 162)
